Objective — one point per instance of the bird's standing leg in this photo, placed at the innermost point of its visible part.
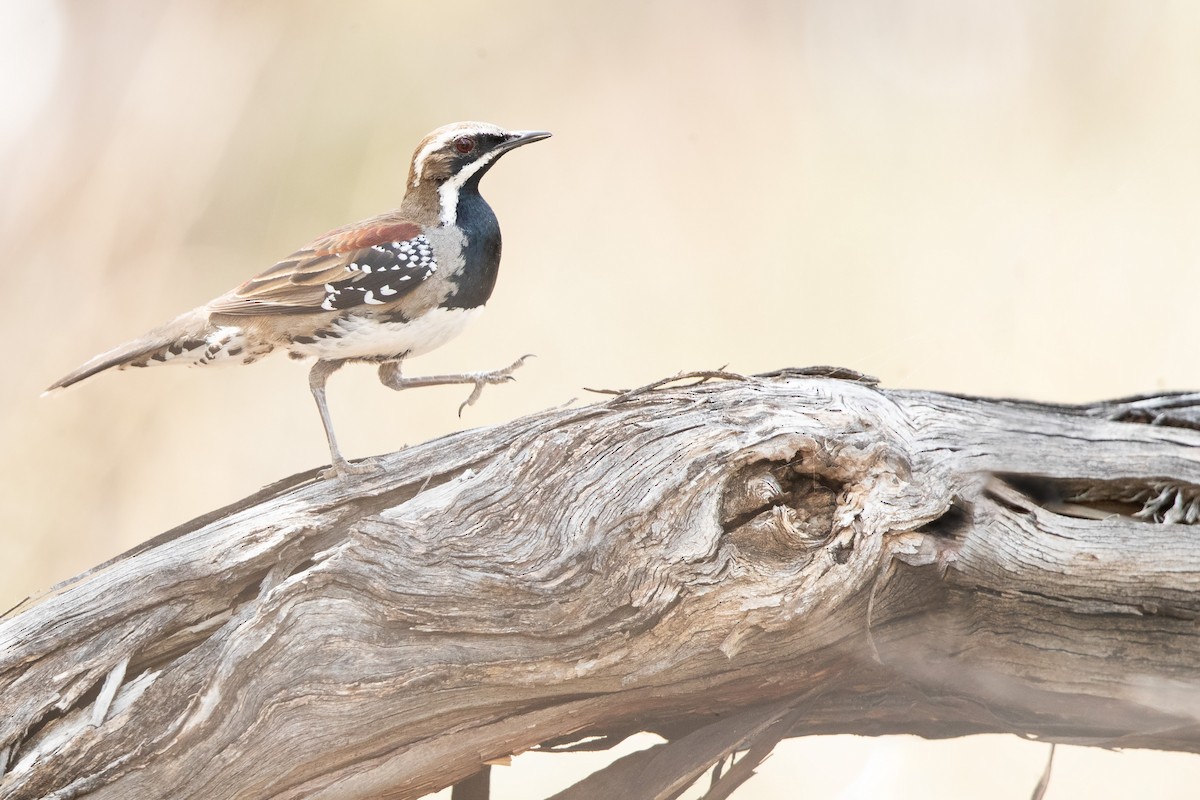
(339, 466)
(389, 376)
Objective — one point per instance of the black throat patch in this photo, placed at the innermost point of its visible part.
(481, 250)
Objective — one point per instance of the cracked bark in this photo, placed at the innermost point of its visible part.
(792, 554)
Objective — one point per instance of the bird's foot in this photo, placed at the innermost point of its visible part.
(342, 468)
(481, 379)
(391, 377)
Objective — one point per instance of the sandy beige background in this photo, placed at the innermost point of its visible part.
(986, 197)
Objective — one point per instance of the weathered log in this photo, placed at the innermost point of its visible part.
(724, 564)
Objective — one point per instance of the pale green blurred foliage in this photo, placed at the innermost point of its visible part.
(985, 197)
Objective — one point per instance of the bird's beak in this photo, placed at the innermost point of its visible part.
(518, 138)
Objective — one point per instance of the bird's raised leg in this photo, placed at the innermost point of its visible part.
(389, 375)
(339, 466)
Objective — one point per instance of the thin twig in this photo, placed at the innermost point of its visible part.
(703, 376)
(1039, 791)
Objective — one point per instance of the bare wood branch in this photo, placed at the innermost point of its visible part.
(879, 561)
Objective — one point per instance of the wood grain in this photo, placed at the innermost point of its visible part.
(869, 561)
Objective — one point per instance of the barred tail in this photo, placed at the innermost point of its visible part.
(189, 334)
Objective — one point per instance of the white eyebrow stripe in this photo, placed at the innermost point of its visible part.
(423, 153)
(434, 144)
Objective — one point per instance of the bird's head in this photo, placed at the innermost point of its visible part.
(456, 156)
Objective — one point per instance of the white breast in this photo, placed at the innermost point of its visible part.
(364, 337)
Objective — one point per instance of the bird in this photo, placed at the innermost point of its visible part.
(381, 290)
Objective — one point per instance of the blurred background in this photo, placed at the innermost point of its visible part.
(971, 196)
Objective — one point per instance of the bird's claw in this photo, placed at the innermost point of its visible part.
(495, 376)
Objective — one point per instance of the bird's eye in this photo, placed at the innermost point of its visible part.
(464, 144)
